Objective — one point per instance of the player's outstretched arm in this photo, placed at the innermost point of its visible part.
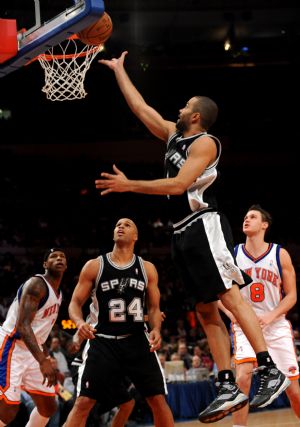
(202, 154)
(159, 127)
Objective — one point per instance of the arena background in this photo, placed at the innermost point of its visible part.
(51, 152)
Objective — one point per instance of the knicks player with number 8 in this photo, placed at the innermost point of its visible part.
(271, 294)
(121, 285)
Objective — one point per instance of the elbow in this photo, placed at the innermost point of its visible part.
(179, 189)
(70, 309)
(136, 107)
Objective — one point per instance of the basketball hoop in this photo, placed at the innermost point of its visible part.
(65, 67)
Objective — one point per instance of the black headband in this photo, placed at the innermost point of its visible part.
(50, 251)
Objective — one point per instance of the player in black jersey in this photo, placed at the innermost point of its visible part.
(121, 285)
(121, 411)
(202, 244)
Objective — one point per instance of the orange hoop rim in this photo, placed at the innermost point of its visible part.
(50, 57)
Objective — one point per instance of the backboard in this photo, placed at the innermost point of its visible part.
(47, 32)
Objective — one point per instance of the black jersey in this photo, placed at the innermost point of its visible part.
(201, 194)
(118, 297)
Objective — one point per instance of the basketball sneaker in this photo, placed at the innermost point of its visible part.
(272, 383)
(229, 399)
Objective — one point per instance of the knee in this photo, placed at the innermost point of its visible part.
(156, 401)
(47, 410)
(128, 406)
(208, 313)
(232, 299)
(83, 405)
(9, 413)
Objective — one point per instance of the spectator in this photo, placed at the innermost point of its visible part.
(58, 354)
(196, 370)
(184, 354)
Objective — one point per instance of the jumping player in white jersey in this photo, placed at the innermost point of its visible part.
(202, 244)
(24, 361)
(121, 285)
(272, 294)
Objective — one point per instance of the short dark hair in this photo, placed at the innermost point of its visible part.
(50, 251)
(208, 110)
(266, 216)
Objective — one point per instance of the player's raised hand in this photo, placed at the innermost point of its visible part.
(114, 63)
(117, 182)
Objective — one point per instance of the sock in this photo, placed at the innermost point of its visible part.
(264, 359)
(2, 424)
(37, 420)
(226, 375)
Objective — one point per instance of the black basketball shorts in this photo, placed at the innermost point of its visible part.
(107, 363)
(203, 253)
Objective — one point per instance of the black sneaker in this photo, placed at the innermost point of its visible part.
(272, 383)
(229, 399)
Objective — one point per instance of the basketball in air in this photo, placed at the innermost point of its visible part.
(98, 32)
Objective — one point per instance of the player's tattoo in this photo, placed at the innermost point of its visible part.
(34, 292)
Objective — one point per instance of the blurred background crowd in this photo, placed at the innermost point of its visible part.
(46, 204)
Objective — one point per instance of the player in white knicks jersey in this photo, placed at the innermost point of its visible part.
(24, 361)
(271, 294)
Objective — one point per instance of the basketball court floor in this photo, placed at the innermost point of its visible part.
(274, 418)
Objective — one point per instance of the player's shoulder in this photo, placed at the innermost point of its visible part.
(282, 251)
(36, 279)
(92, 264)
(36, 284)
(147, 263)
(149, 267)
(206, 142)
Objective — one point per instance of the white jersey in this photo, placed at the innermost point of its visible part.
(44, 318)
(265, 292)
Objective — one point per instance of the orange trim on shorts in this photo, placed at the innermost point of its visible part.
(41, 393)
(246, 360)
(9, 402)
(294, 378)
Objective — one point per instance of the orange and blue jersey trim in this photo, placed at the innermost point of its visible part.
(248, 255)
(6, 351)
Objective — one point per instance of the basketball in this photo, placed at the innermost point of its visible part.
(98, 32)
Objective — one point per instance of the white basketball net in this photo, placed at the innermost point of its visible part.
(64, 71)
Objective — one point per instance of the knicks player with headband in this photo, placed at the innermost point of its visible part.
(24, 360)
(202, 243)
(272, 294)
(120, 285)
